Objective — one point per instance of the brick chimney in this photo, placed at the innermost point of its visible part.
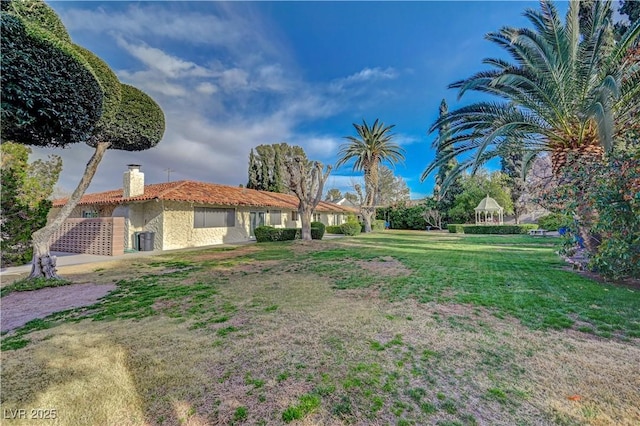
(133, 182)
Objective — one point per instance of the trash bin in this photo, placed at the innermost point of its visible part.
(145, 241)
(136, 241)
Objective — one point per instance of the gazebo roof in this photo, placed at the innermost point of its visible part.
(488, 204)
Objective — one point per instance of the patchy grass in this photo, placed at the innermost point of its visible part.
(323, 338)
(32, 284)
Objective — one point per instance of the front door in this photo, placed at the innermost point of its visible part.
(256, 219)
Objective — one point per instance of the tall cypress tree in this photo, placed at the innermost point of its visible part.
(253, 171)
(445, 199)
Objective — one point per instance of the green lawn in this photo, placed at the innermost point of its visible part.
(385, 328)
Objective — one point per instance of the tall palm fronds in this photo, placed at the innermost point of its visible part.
(373, 146)
(564, 89)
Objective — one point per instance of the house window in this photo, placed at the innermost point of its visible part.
(89, 213)
(294, 216)
(316, 217)
(336, 219)
(275, 217)
(205, 217)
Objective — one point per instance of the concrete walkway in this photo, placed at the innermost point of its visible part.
(65, 259)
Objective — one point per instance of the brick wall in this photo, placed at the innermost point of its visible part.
(101, 236)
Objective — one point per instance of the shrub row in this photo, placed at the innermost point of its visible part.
(554, 221)
(377, 225)
(269, 233)
(491, 229)
(317, 230)
(333, 229)
(351, 228)
(455, 228)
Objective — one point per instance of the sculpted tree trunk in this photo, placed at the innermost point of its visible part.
(306, 181)
(44, 265)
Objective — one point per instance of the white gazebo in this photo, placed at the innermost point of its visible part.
(486, 210)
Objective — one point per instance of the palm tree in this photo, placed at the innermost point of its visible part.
(373, 146)
(565, 91)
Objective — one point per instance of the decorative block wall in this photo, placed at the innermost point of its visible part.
(102, 236)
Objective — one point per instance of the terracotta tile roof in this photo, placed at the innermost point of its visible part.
(204, 193)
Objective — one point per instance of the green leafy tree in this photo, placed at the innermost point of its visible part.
(474, 189)
(267, 170)
(373, 146)
(333, 195)
(20, 211)
(391, 188)
(447, 184)
(124, 117)
(40, 176)
(41, 71)
(631, 10)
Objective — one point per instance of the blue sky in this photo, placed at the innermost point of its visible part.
(233, 75)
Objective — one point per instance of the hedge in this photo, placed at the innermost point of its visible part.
(333, 229)
(350, 228)
(317, 230)
(553, 221)
(455, 228)
(492, 229)
(378, 225)
(269, 233)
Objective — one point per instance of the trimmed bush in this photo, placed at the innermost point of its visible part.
(317, 230)
(491, 229)
(333, 229)
(351, 228)
(455, 228)
(377, 225)
(499, 229)
(554, 221)
(269, 233)
(263, 233)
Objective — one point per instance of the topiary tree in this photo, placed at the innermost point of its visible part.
(66, 95)
(137, 125)
(40, 74)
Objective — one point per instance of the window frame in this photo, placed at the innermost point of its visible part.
(208, 218)
(277, 213)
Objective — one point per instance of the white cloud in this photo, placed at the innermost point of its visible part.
(234, 79)
(370, 74)
(216, 109)
(363, 76)
(207, 88)
(156, 59)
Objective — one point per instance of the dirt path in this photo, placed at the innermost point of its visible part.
(19, 308)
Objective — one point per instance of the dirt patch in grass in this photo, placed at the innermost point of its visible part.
(387, 266)
(21, 307)
(225, 254)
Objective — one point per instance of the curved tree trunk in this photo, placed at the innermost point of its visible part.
(44, 265)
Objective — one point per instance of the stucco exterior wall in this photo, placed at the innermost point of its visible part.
(145, 217)
(179, 230)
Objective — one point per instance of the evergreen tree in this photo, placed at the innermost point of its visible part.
(267, 171)
(17, 217)
(253, 171)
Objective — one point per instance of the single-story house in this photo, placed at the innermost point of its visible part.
(191, 214)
